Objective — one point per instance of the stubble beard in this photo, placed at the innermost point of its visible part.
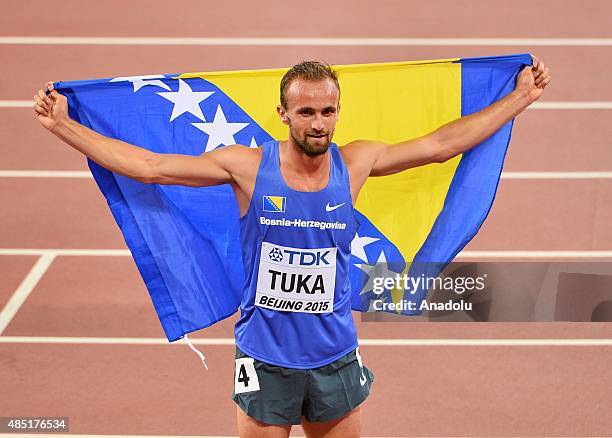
(312, 149)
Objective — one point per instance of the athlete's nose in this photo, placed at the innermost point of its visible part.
(317, 124)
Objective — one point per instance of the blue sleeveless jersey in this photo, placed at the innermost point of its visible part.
(296, 308)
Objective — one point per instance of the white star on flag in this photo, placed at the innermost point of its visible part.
(220, 131)
(378, 270)
(253, 143)
(358, 246)
(186, 101)
(140, 81)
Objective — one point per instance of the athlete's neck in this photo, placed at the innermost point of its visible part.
(292, 155)
(299, 169)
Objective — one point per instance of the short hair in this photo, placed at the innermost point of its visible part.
(309, 70)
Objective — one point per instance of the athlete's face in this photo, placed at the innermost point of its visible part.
(311, 113)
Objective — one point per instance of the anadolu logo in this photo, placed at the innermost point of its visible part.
(274, 204)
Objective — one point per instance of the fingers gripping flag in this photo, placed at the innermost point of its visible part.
(185, 240)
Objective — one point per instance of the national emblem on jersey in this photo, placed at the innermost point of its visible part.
(274, 204)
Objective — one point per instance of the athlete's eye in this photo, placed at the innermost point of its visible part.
(306, 112)
(329, 111)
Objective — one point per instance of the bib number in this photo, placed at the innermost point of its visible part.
(296, 279)
(245, 377)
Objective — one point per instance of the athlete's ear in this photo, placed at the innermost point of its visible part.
(282, 113)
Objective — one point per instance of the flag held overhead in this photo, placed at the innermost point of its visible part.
(185, 241)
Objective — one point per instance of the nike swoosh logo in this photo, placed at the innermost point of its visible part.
(333, 207)
(362, 379)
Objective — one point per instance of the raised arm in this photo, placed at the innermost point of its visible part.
(212, 168)
(366, 158)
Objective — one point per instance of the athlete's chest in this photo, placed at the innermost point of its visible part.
(300, 241)
(309, 182)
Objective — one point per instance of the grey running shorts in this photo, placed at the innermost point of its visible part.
(278, 395)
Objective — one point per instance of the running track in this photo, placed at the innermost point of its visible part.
(57, 304)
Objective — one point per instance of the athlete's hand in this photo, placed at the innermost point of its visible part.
(533, 79)
(51, 108)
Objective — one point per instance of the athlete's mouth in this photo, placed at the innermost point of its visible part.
(317, 135)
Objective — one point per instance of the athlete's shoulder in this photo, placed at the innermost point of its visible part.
(238, 151)
(236, 158)
(361, 150)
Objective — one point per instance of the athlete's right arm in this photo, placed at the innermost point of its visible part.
(211, 168)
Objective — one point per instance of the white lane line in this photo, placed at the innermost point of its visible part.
(505, 175)
(560, 105)
(71, 435)
(279, 41)
(550, 175)
(107, 341)
(493, 342)
(486, 342)
(535, 254)
(45, 174)
(64, 252)
(464, 254)
(24, 289)
(17, 104)
(570, 105)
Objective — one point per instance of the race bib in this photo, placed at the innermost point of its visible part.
(245, 376)
(296, 279)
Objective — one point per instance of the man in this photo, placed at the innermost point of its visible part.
(297, 359)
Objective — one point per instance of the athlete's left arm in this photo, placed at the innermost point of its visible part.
(462, 134)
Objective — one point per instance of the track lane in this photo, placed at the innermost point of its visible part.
(123, 390)
(29, 146)
(63, 213)
(530, 215)
(560, 141)
(418, 391)
(441, 18)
